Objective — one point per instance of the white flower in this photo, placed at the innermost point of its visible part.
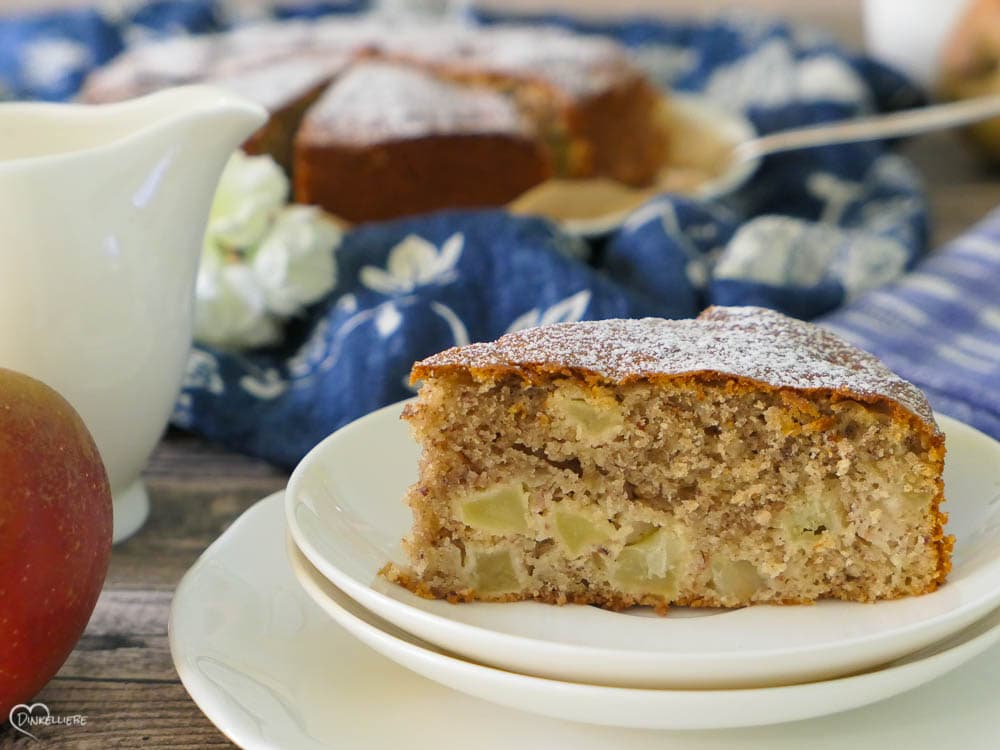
(251, 191)
(415, 262)
(294, 264)
(231, 311)
(261, 261)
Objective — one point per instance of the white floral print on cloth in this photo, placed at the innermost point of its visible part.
(413, 263)
(404, 290)
(568, 310)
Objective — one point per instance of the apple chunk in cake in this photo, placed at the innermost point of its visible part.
(741, 457)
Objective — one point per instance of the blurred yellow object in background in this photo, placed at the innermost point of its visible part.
(970, 67)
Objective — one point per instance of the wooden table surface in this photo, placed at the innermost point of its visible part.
(120, 676)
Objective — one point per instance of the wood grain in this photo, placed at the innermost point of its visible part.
(121, 714)
(121, 677)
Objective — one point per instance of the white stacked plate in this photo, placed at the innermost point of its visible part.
(694, 669)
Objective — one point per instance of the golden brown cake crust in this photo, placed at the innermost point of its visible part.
(743, 344)
(451, 172)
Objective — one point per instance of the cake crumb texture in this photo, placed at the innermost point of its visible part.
(744, 457)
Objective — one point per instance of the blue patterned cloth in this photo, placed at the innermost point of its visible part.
(812, 232)
(939, 327)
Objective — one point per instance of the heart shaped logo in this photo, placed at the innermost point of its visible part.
(23, 717)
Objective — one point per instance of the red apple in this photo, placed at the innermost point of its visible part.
(55, 534)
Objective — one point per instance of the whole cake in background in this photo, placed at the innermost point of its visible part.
(376, 121)
(398, 136)
(738, 458)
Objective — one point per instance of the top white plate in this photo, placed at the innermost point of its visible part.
(345, 513)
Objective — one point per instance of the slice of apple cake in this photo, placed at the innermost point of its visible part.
(741, 457)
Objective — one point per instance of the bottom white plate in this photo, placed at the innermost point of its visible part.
(271, 670)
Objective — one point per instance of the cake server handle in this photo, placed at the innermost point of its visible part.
(906, 122)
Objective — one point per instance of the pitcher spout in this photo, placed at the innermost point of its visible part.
(206, 113)
(161, 161)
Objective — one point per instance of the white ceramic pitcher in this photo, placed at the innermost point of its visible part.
(102, 212)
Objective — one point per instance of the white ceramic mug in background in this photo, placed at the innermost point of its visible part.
(102, 212)
(910, 34)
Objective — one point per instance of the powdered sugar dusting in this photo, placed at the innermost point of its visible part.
(747, 342)
(151, 66)
(374, 101)
(274, 86)
(574, 64)
(266, 38)
(577, 64)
